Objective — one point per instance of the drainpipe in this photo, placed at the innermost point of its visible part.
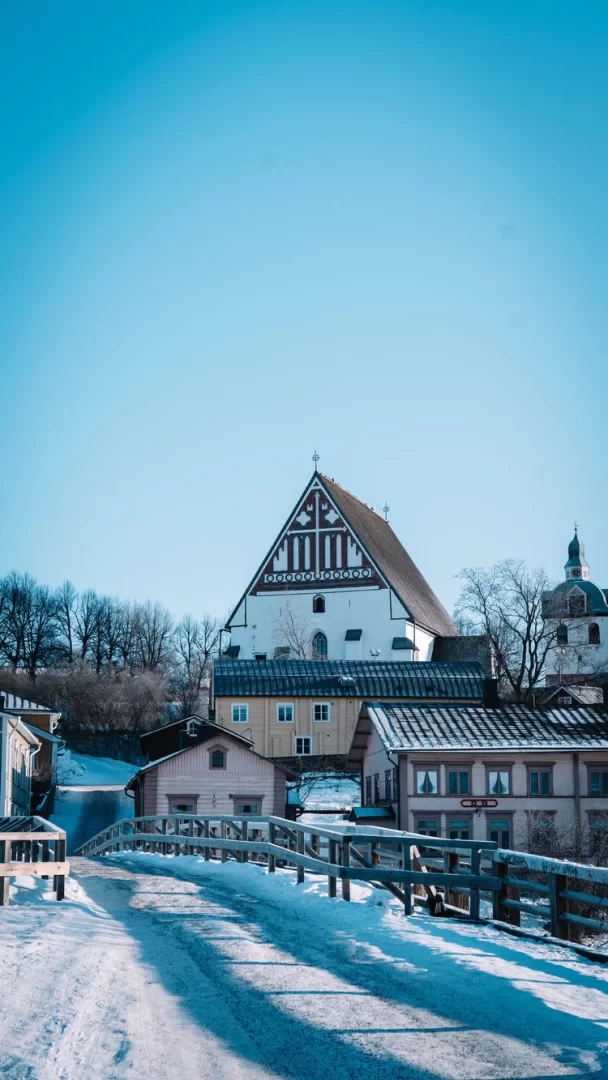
(577, 799)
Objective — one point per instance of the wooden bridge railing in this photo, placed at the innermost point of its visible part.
(449, 876)
(32, 847)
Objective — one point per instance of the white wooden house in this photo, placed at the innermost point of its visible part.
(18, 747)
(507, 773)
(220, 774)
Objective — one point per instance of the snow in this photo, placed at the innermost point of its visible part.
(329, 792)
(156, 966)
(85, 770)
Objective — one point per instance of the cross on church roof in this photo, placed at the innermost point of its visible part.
(315, 458)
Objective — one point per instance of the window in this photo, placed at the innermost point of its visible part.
(564, 699)
(368, 791)
(598, 832)
(598, 780)
(319, 646)
(541, 832)
(182, 804)
(562, 635)
(540, 781)
(594, 634)
(218, 759)
(427, 782)
(388, 785)
(376, 787)
(427, 826)
(459, 782)
(499, 781)
(284, 713)
(577, 603)
(318, 605)
(260, 656)
(303, 745)
(247, 807)
(459, 828)
(240, 714)
(321, 712)
(499, 830)
(281, 652)
(395, 785)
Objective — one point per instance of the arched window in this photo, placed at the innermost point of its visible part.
(594, 634)
(562, 635)
(319, 646)
(318, 604)
(577, 602)
(217, 759)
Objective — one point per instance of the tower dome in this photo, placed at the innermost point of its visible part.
(577, 567)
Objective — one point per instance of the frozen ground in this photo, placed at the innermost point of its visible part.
(159, 967)
(85, 770)
(90, 796)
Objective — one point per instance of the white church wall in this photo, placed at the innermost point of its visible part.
(376, 612)
(579, 657)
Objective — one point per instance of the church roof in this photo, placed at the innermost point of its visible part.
(346, 678)
(556, 602)
(392, 560)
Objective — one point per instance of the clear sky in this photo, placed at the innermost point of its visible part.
(232, 233)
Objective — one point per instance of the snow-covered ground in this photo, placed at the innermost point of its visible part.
(155, 967)
(85, 770)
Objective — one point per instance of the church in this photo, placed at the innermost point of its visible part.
(338, 584)
(577, 609)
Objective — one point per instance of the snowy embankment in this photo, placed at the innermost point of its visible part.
(156, 966)
(90, 795)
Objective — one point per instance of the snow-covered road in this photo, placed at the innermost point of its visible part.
(158, 968)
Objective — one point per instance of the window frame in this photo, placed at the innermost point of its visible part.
(302, 753)
(599, 767)
(318, 605)
(239, 705)
(499, 767)
(458, 768)
(501, 815)
(217, 748)
(321, 705)
(320, 655)
(423, 816)
(595, 627)
(236, 799)
(561, 635)
(286, 705)
(388, 785)
(432, 766)
(466, 819)
(539, 767)
(186, 797)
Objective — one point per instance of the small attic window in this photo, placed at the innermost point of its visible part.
(577, 602)
(318, 605)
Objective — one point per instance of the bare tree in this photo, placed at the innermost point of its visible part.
(153, 634)
(85, 621)
(195, 643)
(293, 629)
(66, 602)
(40, 630)
(505, 602)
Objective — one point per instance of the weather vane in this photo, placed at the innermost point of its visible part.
(315, 458)
(385, 510)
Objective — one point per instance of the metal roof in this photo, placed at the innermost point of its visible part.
(408, 727)
(15, 703)
(584, 695)
(346, 678)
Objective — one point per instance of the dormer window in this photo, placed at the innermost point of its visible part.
(594, 634)
(576, 602)
(318, 605)
(562, 635)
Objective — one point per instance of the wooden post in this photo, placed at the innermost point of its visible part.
(60, 853)
(223, 836)
(559, 906)
(272, 839)
(476, 870)
(45, 855)
(300, 839)
(333, 858)
(500, 912)
(406, 859)
(207, 854)
(346, 862)
(244, 836)
(5, 856)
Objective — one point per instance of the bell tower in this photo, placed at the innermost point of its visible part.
(577, 567)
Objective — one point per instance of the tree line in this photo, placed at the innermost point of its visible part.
(106, 663)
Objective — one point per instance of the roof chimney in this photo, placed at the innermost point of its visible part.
(490, 693)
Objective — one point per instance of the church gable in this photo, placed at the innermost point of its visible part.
(317, 549)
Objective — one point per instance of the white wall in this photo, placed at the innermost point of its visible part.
(579, 657)
(363, 609)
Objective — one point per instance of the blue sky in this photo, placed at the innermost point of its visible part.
(236, 232)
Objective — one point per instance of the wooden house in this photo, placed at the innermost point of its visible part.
(308, 709)
(18, 747)
(167, 739)
(42, 721)
(221, 773)
(524, 776)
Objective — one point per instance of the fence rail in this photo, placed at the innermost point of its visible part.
(449, 876)
(32, 847)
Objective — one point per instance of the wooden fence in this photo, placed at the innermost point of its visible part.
(32, 847)
(451, 877)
